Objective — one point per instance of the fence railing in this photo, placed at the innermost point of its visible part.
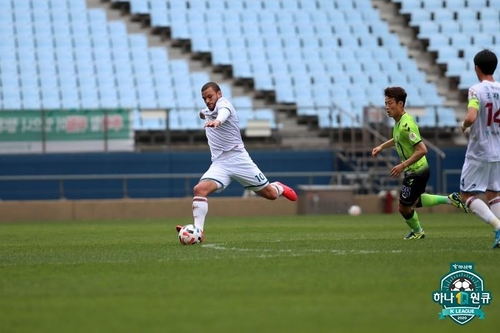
(307, 178)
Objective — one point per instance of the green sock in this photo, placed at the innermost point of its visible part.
(413, 222)
(429, 200)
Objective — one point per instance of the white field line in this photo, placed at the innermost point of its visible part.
(297, 252)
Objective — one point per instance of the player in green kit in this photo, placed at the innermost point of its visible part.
(411, 150)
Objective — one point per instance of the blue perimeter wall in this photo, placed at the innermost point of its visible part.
(164, 163)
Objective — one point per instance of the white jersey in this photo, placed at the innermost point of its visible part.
(484, 139)
(226, 137)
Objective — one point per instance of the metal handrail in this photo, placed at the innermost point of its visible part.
(310, 174)
(441, 154)
(337, 176)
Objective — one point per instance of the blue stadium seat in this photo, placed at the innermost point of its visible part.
(242, 68)
(31, 99)
(489, 14)
(482, 40)
(442, 14)
(418, 16)
(259, 39)
(242, 104)
(477, 3)
(446, 117)
(470, 29)
(427, 28)
(284, 93)
(449, 27)
(139, 6)
(428, 119)
(432, 4)
(454, 67)
(265, 114)
(469, 15)
(235, 5)
(445, 53)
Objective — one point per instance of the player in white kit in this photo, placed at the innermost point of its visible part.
(481, 169)
(230, 159)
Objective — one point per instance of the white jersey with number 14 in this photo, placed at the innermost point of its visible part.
(484, 139)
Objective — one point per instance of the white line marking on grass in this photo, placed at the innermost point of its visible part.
(223, 248)
(296, 252)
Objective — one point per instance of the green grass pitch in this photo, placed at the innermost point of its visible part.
(291, 274)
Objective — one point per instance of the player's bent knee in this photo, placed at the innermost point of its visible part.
(204, 188)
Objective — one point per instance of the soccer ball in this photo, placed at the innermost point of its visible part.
(354, 210)
(190, 235)
(461, 284)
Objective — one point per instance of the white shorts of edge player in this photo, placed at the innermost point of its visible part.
(241, 168)
(480, 176)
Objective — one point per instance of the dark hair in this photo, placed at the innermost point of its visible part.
(212, 85)
(487, 62)
(398, 93)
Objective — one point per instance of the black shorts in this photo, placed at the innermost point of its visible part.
(413, 187)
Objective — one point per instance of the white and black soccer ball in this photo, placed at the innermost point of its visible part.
(190, 235)
(462, 284)
(354, 210)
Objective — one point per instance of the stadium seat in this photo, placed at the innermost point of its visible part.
(258, 39)
(470, 30)
(454, 67)
(427, 29)
(477, 3)
(445, 53)
(408, 7)
(489, 14)
(419, 15)
(442, 14)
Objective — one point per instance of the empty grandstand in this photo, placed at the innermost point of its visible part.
(301, 73)
(324, 61)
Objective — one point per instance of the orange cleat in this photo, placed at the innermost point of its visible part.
(288, 192)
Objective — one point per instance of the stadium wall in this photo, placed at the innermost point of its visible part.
(174, 210)
(141, 163)
(279, 161)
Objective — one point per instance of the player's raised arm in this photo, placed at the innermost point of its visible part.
(221, 118)
(378, 149)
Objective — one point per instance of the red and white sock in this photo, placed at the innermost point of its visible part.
(200, 210)
(481, 209)
(495, 206)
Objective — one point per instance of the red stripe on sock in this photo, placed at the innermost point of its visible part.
(469, 201)
(199, 199)
(494, 201)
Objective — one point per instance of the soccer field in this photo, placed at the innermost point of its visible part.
(292, 274)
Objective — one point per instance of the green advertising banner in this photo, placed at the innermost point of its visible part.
(72, 130)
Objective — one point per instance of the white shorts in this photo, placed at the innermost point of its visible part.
(240, 168)
(480, 176)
